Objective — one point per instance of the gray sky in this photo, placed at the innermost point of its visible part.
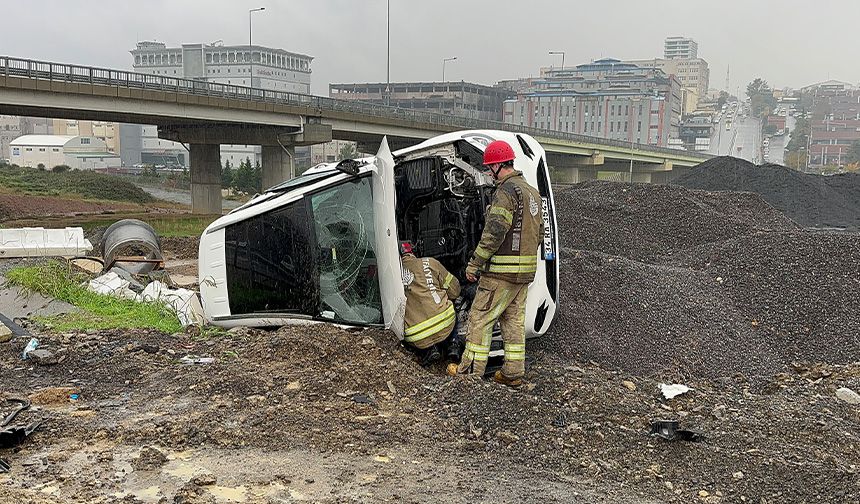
(788, 42)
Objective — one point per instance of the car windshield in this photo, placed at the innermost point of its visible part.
(314, 257)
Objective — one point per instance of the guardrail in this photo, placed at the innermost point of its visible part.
(62, 72)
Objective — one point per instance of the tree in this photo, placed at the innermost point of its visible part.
(347, 151)
(243, 179)
(257, 177)
(854, 152)
(799, 135)
(758, 86)
(724, 97)
(226, 175)
(796, 160)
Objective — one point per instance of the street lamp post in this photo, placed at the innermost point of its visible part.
(562, 57)
(443, 66)
(251, 43)
(388, 53)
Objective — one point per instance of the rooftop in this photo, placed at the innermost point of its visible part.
(42, 140)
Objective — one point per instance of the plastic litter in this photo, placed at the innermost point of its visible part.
(195, 359)
(185, 303)
(31, 345)
(111, 284)
(668, 430)
(674, 390)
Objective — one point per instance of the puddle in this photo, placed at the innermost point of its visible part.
(229, 494)
(148, 494)
(182, 470)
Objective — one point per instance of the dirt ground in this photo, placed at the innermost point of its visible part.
(320, 414)
(18, 206)
(327, 415)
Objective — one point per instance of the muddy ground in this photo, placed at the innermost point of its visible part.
(321, 414)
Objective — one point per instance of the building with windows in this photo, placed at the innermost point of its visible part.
(462, 99)
(606, 98)
(10, 129)
(242, 65)
(692, 74)
(270, 68)
(680, 48)
(107, 132)
(76, 152)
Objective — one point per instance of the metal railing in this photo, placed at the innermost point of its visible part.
(317, 105)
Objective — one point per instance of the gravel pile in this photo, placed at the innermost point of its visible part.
(642, 221)
(680, 284)
(810, 200)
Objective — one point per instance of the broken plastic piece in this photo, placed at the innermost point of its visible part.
(674, 390)
(13, 436)
(668, 430)
(194, 359)
(31, 345)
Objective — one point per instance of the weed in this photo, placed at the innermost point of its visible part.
(98, 311)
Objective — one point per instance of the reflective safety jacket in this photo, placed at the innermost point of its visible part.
(430, 314)
(513, 228)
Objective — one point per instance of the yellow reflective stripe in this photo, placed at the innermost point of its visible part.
(477, 348)
(449, 312)
(515, 356)
(481, 357)
(483, 253)
(448, 280)
(495, 268)
(515, 347)
(505, 259)
(508, 216)
(430, 331)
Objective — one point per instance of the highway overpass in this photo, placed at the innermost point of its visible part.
(205, 115)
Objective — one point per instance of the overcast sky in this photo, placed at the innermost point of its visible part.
(787, 42)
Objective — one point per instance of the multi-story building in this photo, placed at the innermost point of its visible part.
(10, 129)
(693, 75)
(681, 48)
(270, 68)
(242, 65)
(461, 99)
(606, 98)
(835, 123)
(108, 132)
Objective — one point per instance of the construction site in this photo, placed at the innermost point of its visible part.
(706, 348)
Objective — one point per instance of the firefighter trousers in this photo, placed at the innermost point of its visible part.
(496, 300)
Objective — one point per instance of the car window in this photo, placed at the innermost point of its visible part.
(345, 234)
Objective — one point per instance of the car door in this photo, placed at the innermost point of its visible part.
(388, 254)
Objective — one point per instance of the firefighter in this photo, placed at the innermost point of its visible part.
(506, 259)
(431, 321)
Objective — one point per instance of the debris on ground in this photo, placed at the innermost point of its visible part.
(670, 431)
(41, 242)
(808, 199)
(672, 391)
(183, 302)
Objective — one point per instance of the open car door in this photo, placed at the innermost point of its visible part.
(387, 250)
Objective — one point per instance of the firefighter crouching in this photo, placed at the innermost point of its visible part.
(431, 321)
(507, 257)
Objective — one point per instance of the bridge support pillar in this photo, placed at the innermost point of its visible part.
(205, 178)
(278, 164)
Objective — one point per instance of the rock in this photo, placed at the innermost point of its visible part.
(5, 333)
(294, 385)
(703, 493)
(43, 357)
(206, 479)
(738, 475)
(719, 412)
(149, 459)
(843, 394)
(629, 385)
(669, 485)
(507, 437)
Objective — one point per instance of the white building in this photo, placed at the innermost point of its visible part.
(680, 47)
(77, 152)
(270, 68)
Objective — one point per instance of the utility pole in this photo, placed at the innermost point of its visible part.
(562, 57)
(250, 41)
(443, 66)
(388, 55)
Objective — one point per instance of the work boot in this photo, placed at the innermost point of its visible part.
(499, 377)
(429, 356)
(452, 369)
(454, 347)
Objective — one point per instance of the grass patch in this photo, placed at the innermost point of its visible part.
(98, 311)
(181, 226)
(84, 184)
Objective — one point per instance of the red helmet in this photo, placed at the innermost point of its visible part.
(498, 152)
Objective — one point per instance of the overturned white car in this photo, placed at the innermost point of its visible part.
(323, 247)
